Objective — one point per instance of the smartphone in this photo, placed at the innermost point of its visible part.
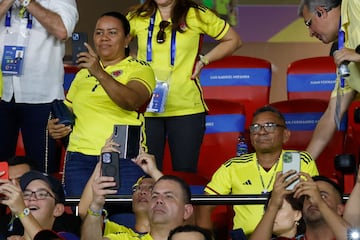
(128, 137)
(110, 166)
(77, 40)
(291, 161)
(4, 167)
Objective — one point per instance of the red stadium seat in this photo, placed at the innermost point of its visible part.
(311, 78)
(20, 150)
(301, 117)
(314, 78)
(240, 79)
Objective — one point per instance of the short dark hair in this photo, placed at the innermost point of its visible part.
(336, 186)
(184, 186)
(268, 108)
(192, 228)
(17, 160)
(120, 17)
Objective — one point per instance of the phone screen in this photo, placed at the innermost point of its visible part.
(78, 39)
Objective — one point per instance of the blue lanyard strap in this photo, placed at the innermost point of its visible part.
(8, 19)
(341, 40)
(149, 42)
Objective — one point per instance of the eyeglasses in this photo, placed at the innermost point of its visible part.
(161, 35)
(142, 187)
(269, 127)
(309, 21)
(39, 195)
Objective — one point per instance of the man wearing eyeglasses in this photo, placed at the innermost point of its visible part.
(323, 18)
(254, 173)
(36, 201)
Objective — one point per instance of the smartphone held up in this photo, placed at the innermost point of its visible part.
(291, 161)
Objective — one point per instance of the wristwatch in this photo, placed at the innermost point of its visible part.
(24, 213)
(25, 3)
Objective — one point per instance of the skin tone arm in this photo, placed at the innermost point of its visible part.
(265, 227)
(14, 200)
(228, 44)
(4, 7)
(50, 20)
(326, 126)
(346, 54)
(352, 210)
(144, 160)
(307, 187)
(130, 96)
(203, 215)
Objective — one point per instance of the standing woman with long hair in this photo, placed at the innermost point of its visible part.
(169, 36)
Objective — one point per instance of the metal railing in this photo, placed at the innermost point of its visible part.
(242, 199)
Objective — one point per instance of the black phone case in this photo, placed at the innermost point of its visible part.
(110, 166)
(77, 41)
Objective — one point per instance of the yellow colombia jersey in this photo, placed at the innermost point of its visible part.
(241, 175)
(350, 22)
(114, 228)
(127, 236)
(95, 113)
(185, 96)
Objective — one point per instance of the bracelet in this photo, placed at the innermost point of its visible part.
(95, 213)
(203, 60)
(25, 3)
(24, 213)
(101, 212)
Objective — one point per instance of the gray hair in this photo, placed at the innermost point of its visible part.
(313, 4)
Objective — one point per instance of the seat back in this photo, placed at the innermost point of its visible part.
(301, 117)
(223, 124)
(240, 79)
(311, 78)
(70, 72)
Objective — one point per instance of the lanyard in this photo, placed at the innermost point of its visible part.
(341, 40)
(266, 189)
(149, 42)
(8, 19)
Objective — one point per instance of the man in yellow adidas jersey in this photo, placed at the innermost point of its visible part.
(169, 207)
(254, 173)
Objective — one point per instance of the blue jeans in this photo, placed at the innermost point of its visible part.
(79, 167)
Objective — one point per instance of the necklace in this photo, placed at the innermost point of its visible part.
(265, 189)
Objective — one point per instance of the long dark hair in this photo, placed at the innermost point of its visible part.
(178, 13)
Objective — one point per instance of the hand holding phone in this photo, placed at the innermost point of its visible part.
(78, 39)
(291, 161)
(110, 166)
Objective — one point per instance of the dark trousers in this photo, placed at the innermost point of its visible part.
(31, 120)
(184, 134)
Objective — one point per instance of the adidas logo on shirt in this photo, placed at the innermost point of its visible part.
(248, 182)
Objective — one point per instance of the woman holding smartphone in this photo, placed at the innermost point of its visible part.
(109, 89)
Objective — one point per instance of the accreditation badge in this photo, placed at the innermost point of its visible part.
(159, 97)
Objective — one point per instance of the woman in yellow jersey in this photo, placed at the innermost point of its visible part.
(169, 35)
(109, 89)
